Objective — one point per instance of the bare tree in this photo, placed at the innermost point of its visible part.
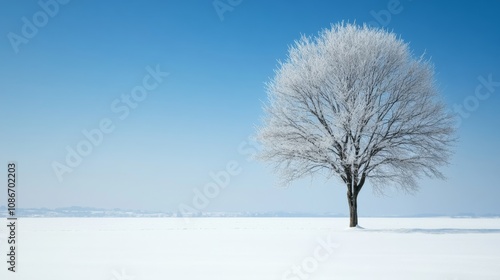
(356, 103)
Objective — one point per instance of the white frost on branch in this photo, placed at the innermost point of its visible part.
(354, 101)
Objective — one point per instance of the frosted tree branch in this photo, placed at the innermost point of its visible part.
(356, 103)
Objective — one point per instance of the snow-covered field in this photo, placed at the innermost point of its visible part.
(254, 248)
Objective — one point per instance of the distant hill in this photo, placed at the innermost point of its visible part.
(77, 211)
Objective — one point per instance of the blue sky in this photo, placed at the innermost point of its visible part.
(66, 76)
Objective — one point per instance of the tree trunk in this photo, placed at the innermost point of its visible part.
(353, 188)
(353, 209)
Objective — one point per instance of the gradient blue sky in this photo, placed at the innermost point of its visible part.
(65, 78)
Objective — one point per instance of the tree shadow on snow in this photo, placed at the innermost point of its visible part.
(438, 230)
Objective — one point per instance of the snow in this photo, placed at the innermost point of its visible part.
(255, 248)
(354, 103)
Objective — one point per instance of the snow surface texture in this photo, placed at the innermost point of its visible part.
(254, 248)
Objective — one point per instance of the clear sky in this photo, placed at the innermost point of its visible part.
(70, 67)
